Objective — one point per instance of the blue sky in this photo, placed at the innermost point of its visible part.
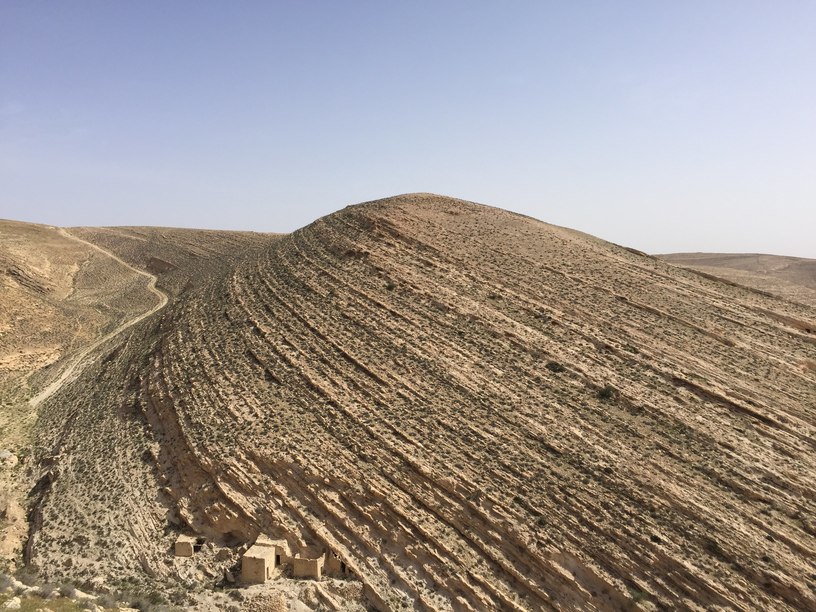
(663, 126)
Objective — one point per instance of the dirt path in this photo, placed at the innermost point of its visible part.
(82, 358)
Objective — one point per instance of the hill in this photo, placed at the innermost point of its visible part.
(180, 258)
(63, 297)
(58, 293)
(473, 409)
(792, 278)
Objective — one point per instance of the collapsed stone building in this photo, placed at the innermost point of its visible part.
(308, 563)
(266, 555)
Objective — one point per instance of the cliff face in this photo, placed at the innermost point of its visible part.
(474, 409)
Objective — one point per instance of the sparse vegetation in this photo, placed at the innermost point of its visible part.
(298, 391)
(607, 393)
(554, 366)
(637, 595)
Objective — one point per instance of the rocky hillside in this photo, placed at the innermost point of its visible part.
(57, 295)
(792, 278)
(180, 258)
(62, 297)
(474, 409)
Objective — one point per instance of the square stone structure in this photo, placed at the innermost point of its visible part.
(184, 546)
(303, 567)
(334, 565)
(257, 564)
(262, 558)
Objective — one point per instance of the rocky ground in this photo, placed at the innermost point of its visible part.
(58, 296)
(474, 409)
(791, 278)
(63, 299)
(180, 258)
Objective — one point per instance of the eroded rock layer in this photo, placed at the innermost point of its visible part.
(473, 409)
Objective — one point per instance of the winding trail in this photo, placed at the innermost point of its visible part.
(82, 358)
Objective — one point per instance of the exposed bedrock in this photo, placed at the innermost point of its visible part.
(478, 410)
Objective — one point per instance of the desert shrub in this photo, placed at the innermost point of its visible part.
(141, 603)
(29, 575)
(636, 594)
(157, 597)
(179, 597)
(152, 601)
(554, 366)
(713, 547)
(46, 589)
(67, 590)
(607, 393)
(5, 582)
(107, 601)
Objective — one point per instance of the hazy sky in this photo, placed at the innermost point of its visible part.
(666, 126)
